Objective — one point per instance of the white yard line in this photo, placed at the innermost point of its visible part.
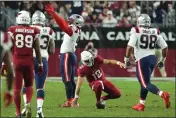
(122, 78)
(119, 78)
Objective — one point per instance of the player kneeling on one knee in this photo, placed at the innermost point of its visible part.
(91, 69)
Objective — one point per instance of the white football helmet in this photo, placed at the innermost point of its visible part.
(144, 20)
(38, 18)
(23, 18)
(87, 58)
(76, 20)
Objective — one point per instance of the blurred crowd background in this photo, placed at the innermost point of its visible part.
(96, 13)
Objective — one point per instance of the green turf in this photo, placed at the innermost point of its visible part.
(55, 95)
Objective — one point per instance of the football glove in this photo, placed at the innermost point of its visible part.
(40, 69)
(160, 64)
(49, 9)
(8, 98)
(127, 62)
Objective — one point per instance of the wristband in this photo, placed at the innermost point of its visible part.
(76, 96)
(118, 63)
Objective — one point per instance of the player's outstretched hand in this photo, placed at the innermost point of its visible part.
(40, 69)
(160, 64)
(75, 102)
(49, 9)
(3, 70)
(8, 98)
(122, 65)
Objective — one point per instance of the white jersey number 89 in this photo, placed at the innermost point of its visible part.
(22, 41)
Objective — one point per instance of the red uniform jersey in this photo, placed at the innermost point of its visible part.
(94, 72)
(23, 38)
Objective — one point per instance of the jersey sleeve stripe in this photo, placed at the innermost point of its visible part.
(141, 77)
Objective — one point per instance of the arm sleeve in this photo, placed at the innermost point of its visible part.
(63, 24)
(161, 42)
(133, 38)
(99, 59)
(80, 72)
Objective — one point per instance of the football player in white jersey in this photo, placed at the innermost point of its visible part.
(6, 57)
(47, 46)
(143, 40)
(67, 51)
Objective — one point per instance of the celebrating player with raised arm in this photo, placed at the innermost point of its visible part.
(67, 50)
(94, 74)
(5, 56)
(143, 40)
(47, 46)
(25, 39)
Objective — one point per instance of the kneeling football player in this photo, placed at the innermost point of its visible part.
(94, 74)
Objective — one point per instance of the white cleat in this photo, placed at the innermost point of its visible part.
(39, 113)
(28, 110)
(23, 112)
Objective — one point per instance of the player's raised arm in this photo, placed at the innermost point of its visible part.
(114, 62)
(60, 21)
(163, 45)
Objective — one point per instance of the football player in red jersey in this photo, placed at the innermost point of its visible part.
(5, 56)
(94, 74)
(25, 39)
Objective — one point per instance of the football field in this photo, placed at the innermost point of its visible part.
(55, 95)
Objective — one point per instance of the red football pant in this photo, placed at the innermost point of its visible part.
(98, 86)
(25, 72)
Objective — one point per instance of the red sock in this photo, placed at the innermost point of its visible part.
(17, 100)
(98, 91)
(29, 93)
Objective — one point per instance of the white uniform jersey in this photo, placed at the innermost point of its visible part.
(70, 42)
(144, 40)
(46, 35)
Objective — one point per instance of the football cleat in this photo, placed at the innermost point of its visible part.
(67, 104)
(28, 110)
(139, 107)
(23, 112)
(39, 113)
(19, 116)
(166, 97)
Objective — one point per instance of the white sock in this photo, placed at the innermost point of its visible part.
(142, 101)
(24, 98)
(40, 103)
(160, 93)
